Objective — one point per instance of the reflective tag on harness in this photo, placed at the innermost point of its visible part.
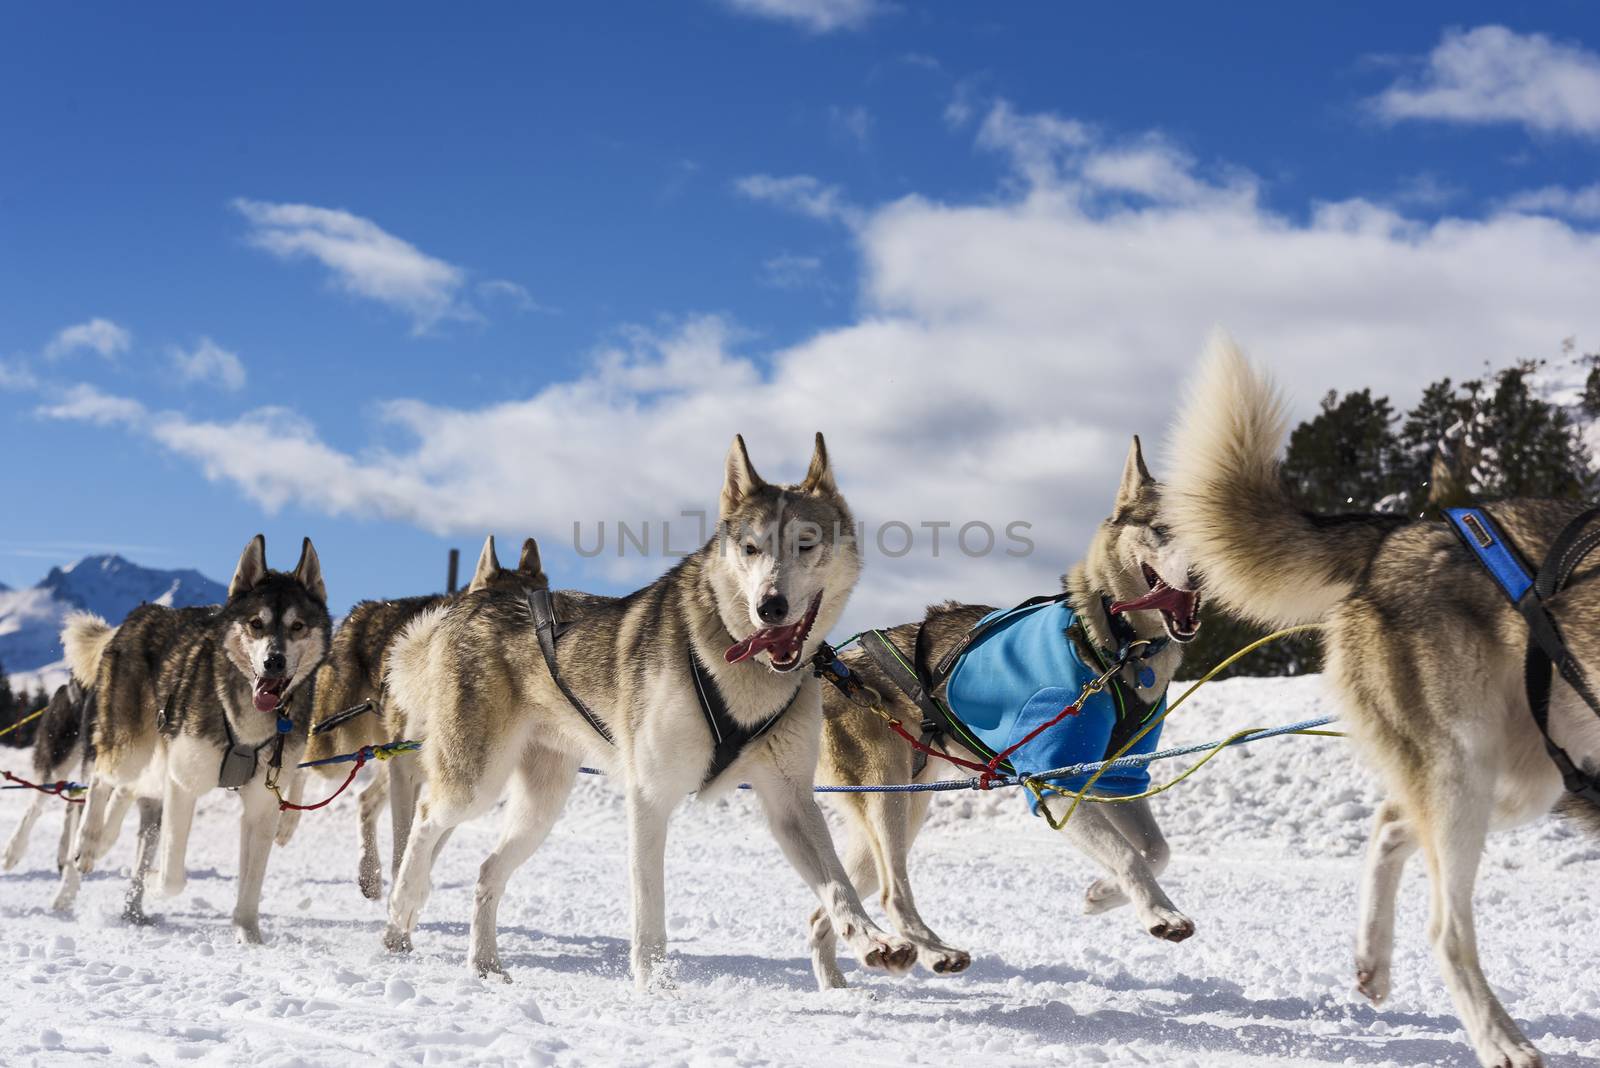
(238, 767)
(1480, 534)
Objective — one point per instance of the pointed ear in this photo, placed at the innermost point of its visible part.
(1135, 476)
(308, 572)
(488, 568)
(819, 476)
(252, 567)
(530, 564)
(742, 480)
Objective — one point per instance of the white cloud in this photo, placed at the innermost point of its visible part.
(209, 362)
(851, 124)
(818, 16)
(803, 193)
(101, 336)
(511, 292)
(1495, 75)
(363, 259)
(88, 404)
(1581, 203)
(1003, 349)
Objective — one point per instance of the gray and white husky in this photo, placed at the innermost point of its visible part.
(739, 616)
(57, 755)
(1130, 560)
(353, 674)
(190, 699)
(1425, 651)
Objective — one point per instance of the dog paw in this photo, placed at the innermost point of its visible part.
(893, 955)
(371, 883)
(490, 967)
(134, 916)
(1103, 895)
(1172, 926)
(247, 934)
(1372, 980)
(396, 940)
(1507, 1049)
(943, 960)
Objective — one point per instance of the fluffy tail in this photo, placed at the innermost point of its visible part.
(409, 671)
(85, 638)
(1260, 554)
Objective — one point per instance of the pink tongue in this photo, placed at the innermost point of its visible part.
(760, 641)
(1163, 597)
(266, 701)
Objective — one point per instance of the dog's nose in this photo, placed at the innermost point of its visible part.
(773, 608)
(274, 664)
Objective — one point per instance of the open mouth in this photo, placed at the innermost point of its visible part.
(1179, 608)
(268, 693)
(783, 645)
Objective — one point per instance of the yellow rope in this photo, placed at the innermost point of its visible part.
(1040, 791)
(23, 722)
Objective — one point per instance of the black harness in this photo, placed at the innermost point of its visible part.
(240, 761)
(1531, 592)
(729, 737)
(921, 684)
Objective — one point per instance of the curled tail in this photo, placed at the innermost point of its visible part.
(1261, 555)
(411, 671)
(85, 637)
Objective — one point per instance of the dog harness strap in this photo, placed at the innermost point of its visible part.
(547, 630)
(728, 737)
(1546, 648)
(947, 663)
(913, 680)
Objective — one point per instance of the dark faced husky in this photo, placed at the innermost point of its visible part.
(57, 755)
(674, 675)
(1131, 562)
(1427, 654)
(195, 699)
(353, 674)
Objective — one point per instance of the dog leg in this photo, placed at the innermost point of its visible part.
(1390, 846)
(539, 791)
(1453, 837)
(369, 873)
(94, 818)
(1093, 833)
(414, 881)
(257, 825)
(405, 787)
(647, 849)
(1138, 825)
(289, 818)
(19, 838)
(111, 830)
(69, 833)
(861, 867)
(177, 819)
(802, 834)
(149, 838)
(891, 816)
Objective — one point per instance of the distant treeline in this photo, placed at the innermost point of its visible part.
(1478, 440)
(15, 706)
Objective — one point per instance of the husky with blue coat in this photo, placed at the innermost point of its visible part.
(993, 677)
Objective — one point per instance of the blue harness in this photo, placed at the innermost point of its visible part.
(1529, 593)
(1022, 670)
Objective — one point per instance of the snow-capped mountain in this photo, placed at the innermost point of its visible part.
(30, 620)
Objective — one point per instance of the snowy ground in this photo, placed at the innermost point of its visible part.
(1267, 842)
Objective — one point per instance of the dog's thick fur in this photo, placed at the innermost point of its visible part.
(57, 755)
(1424, 649)
(352, 674)
(172, 685)
(859, 749)
(471, 675)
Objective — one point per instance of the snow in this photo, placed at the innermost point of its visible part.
(1267, 844)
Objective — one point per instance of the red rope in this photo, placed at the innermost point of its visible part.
(920, 747)
(990, 771)
(361, 758)
(57, 790)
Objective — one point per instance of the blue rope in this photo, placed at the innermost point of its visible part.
(366, 752)
(69, 787)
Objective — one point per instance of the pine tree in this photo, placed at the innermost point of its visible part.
(8, 703)
(1345, 458)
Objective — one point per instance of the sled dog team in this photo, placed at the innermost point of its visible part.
(703, 679)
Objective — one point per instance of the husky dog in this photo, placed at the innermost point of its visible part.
(230, 685)
(353, 674)
(1425, 651)
(1131, 560)
(57, 755)
(729, 625)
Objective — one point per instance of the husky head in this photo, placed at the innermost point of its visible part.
(1135, 561)
(784, 561)
(528, 575)
(276, 624)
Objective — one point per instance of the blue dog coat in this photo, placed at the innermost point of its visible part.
(1021, 674)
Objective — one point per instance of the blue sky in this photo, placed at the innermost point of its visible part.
(395, 275)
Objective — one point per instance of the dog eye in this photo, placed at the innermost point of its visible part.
(806, 546)
(750, 548)
(256, 625)
(297, 626)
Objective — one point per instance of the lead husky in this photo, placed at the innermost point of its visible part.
(1425, 651)
(353, 674)
(226, 704)
(735, 619)
(1130, 560)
